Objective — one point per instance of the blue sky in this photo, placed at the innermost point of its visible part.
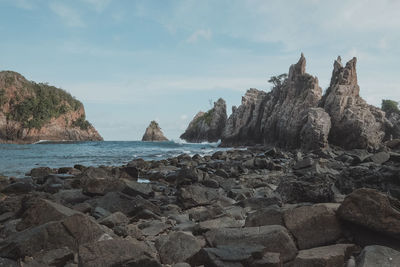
(132, 61)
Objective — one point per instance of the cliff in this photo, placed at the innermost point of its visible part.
(296, 115)
(153, 133)
(208, 126)
(288, 116)
(31, 111)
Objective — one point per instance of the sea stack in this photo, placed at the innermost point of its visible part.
(31, 111)
(153, 133)
(207, 126)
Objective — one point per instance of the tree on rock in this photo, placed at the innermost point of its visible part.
(390, 107)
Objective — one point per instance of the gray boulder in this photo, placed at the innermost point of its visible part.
(153, 133)
(372, 256)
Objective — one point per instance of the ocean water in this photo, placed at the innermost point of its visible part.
(16, 160)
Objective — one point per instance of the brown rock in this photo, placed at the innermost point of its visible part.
(329, 256)
(314, 226)
(154, 133)
(372, 209)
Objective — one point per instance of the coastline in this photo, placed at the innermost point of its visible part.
(260, 201)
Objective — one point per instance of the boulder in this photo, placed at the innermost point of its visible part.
(116, 252)
(40, 211)
(153, 133)
(329, 256)
(114, 219)
(373, 210)
(196, 195)
(314, 226)
(372, 256)
(134, 188)
(274, 238)
(177, 247)
(315, 131)
(272, 215)
(207, 126)
(355, 124)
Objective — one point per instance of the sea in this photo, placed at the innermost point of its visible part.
(17, 160)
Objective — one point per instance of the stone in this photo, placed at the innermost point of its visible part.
(71, 196)
(40, 211)
(272, 215)
(153, 133)
(133, 188)
(355, 124)
(373, 210)
(115, 219)
(100, 186)
(224, 222)
(8, 263)
(207, 126)
(313, 226)
(196, 195)
(372, 256)
(177, 247)
(18, 188)
(328, 256)
(116, 252)
(315, 131)
(274, 238)
(380, 157)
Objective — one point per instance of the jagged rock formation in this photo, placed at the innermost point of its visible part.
(30, 112)
(355, 124)
(207, 126)
(286, 116)
(153, 133)
(393, 129)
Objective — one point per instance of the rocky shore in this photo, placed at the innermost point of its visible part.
(259, 206)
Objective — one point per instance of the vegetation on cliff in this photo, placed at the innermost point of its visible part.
(390, 107)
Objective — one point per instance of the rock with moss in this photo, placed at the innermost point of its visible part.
(153, 133)
(207, 126)
(31, 111)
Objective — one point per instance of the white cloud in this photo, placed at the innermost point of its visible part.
(69, 16)
(198, 35)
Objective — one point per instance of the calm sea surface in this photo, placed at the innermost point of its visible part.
(16, 160)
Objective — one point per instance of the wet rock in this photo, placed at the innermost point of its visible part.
(177, 247)
(116, 252)
(334, 255)
(314, 226)
(372, 256)
(373, 210)
(274, 238)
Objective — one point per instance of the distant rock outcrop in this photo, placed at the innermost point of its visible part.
(287, 116)
(208, 126)
(31, 111)
(153, 133)
(355, 124)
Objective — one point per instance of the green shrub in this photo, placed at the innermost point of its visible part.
(390, 106)
(82, 123)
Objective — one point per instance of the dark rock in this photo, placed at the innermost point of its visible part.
(70, 196)
(134, 188)
(19, 188)
(116, 252)
(114, 219)
(274, 238)
(372, 256)
(40, 211)
(272, 215)
(380, 157)
(8, 263)
(314, 226)
(177, 247)
(334, 255)
(196, 195)
(372, 209)
(207, 126)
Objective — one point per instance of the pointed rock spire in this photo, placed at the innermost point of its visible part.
(297, 69)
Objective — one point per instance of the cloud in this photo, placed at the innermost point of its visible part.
(68, 15)
(198, 35)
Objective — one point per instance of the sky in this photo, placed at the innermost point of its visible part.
(133, 61)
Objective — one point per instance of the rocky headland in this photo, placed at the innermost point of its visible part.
(207, 126)
(30, 112)
(153, 133)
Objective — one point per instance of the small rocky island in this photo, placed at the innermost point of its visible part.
(30, 112)
(207, 126)
(319, 186)
(153, 133)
